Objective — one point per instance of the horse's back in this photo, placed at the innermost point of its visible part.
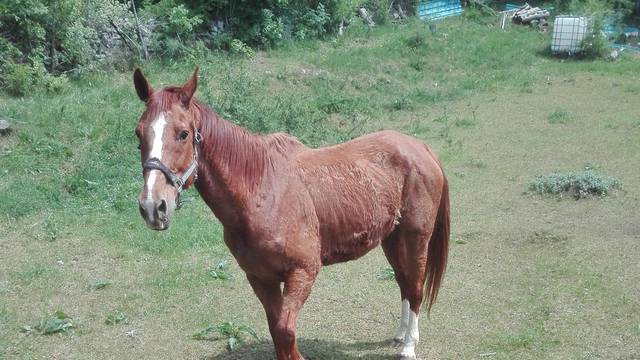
(358, 189)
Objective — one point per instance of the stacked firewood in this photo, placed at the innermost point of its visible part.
(530, 15)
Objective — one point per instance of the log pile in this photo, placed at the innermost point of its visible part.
(528, 15)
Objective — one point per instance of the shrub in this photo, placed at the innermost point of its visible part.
(312, 23)
(22, 79)
(579, 184)
(238, 47)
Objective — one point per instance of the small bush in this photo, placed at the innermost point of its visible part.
(22, 79)
(579, 184)
(239, 48)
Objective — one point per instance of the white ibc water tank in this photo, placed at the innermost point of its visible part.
(568, 33)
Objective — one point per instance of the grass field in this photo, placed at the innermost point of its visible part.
(529, 277)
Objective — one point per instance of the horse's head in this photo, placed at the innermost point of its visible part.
(167, 131)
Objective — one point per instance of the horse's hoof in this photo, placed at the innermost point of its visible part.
(408, 354)
(405, 357)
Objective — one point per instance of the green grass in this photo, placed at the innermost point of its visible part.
(529, 277)
(559, 117)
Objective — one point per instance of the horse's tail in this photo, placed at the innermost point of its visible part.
(438, 249)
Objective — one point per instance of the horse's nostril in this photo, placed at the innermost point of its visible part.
(141, 209)
(162, 207)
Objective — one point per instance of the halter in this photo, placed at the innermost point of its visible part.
(177, 181)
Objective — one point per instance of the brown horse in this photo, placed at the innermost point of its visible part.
(288, 210)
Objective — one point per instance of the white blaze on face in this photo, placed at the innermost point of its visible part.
(157, 126)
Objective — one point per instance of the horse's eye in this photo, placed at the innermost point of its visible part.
(184, 134)
(139, 147)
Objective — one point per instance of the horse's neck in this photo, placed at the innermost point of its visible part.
(232, 165)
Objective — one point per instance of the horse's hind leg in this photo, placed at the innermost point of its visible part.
(407, 253)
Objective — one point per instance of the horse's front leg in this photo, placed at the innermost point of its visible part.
(282, 309)
(297, 287)
(270, 295)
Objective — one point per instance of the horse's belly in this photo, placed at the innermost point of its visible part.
(351, 238)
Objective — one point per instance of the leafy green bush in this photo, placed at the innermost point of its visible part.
(170, 27)
(312, 23)
(579, 184)
(22, 79)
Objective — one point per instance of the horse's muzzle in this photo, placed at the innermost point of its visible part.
(155, 213)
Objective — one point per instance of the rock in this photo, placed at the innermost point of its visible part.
(5, 127)
(615, 54)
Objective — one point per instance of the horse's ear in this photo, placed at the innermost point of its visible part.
(143, 88)
(189, 88)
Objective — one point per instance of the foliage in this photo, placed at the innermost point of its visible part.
(219, 271)
(386, 274)
(234, 333)
(595, 45)
(58, 322)
(42, 37)
(116, 318)
(25, 79)
(238, 47)
(579, 184)
(171, 27)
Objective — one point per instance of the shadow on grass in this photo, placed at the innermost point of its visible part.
(313, 350)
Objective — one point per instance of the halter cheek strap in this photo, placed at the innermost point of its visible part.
(175, 180)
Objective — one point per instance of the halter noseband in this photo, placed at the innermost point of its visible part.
(175, 180)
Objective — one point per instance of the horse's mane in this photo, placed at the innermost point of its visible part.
(247, 155)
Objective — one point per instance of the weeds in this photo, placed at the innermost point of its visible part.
(219, 272)
(559, 117)
(416, 41)
(116, 318)
(579, 184)
(416, 63)
(401, 103)
(453, 146)
(233, 333)
(386, 274)
(57, 323)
